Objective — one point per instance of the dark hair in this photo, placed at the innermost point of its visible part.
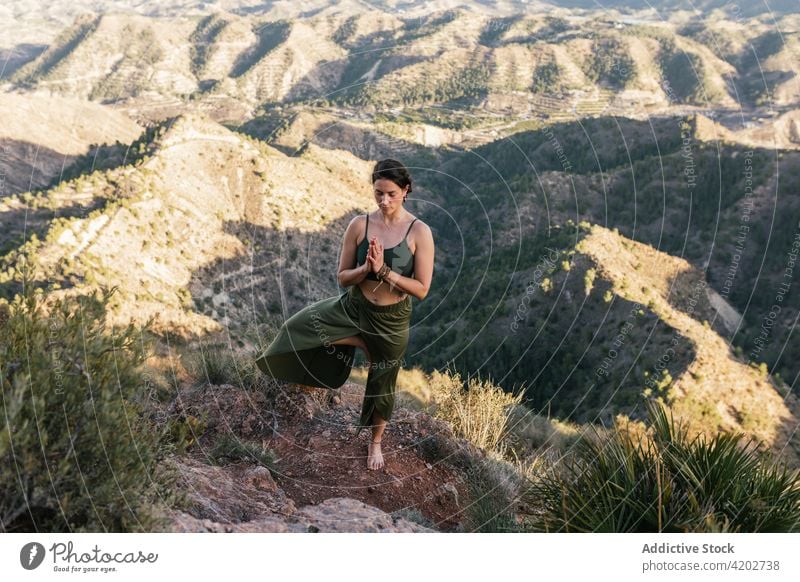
(394, 171)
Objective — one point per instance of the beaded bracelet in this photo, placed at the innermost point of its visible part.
(383, 272)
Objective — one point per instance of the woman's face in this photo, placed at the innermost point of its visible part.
(388, 195)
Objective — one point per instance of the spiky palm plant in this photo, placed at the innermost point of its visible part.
(668, 483)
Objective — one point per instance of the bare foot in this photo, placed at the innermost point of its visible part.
(374, 456)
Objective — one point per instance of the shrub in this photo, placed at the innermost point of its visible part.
(491, 510)
(229, 448)
(218, 365)
(532, 432)
(479, 413)
(668, 483)
(588, 280)
(414, 515)
(433, 448)
(78, 452)
(212, 364)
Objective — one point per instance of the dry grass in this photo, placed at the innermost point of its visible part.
(414, 388)
(532, 433)
(478, 412)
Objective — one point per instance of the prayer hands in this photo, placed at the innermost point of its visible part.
(375, 255)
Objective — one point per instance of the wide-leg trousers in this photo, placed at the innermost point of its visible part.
(303, 352)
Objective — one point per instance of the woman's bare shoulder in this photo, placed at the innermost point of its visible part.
(358, 219)
(420, 233)
(357, 225)
(419, 226)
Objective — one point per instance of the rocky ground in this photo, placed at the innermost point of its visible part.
(317, 479)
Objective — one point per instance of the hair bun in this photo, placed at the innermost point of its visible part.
(393, 170)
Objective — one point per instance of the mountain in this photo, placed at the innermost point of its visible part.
(449, 77)
(199, 228)
(210, 231)
(41, 136)
(521, 66)
(671, 183)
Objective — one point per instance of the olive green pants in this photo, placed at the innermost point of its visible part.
(303, 352)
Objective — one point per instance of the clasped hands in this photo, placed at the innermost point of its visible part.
(375, 257)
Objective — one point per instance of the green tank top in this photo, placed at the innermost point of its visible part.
(399, 258)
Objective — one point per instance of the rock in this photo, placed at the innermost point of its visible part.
(182, 522)
(351, 395)
(316, 443)
(451, 490)
(343, 514)
(260, 478)
(232, 493)
(310, 407)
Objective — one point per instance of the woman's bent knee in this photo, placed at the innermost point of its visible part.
(357, 341)
(353, 340)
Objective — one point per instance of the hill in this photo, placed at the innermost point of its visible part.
(196, 230)
(520, 65)
(41, 135)
(727, 209)
(207, 231)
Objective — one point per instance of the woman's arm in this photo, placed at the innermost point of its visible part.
(351, 276)
(348, 277)
(420, 284)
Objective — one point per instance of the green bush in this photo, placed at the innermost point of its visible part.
(546, 78)
(414, 515)
(219, 365)
(212, 364)
(229, 448)
(491, 509)
(668, 483)
(78, 454)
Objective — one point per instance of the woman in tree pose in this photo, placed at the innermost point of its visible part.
(381, 270)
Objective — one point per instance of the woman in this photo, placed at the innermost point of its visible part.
(382, 271)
